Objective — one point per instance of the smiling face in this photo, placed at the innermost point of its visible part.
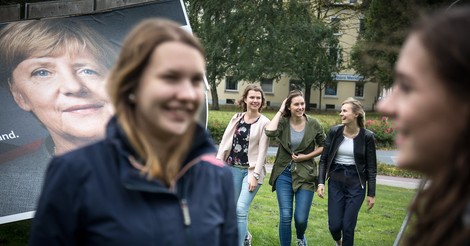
(66, 93)
(348, 117)
(423, 112)
(297, 106)
(253, 100)
(170, 90)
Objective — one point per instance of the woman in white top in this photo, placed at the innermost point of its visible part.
(349, 160)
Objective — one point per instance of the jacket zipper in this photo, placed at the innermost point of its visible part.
(359, 176)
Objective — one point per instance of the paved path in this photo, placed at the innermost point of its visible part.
(407, 183)
(383, 156)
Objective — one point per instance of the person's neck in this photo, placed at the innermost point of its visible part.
(351, 129)
(63, 145)
(296, 120)
(251, 115)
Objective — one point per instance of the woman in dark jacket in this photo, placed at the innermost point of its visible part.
(154, 180)
(349, 160)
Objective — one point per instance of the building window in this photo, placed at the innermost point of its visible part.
(330, 89)
(231, 84)
(267, 85)
(359, 91)
(352, 1)
(229, 101)
(335, 25)
(335, 54)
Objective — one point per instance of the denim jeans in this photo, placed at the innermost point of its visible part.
(345, 198)
(244, 199)
(285, 198)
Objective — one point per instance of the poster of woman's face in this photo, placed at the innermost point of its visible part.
(53, 76)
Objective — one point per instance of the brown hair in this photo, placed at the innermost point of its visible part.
(249, 88)
(439, 209)
(124, 80)
(357, 109)
(292, 94)
(21, 40)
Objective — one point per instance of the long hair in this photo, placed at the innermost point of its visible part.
(249, 88)
(357, 109)
(51, 37)
(292, 94)
(439, 209)
(124, 80)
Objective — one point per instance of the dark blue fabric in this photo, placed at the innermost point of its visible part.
(93, 196)
(345, 197)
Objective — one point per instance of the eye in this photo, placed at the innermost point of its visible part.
(41, 73)
(88, 72)
(197, 80)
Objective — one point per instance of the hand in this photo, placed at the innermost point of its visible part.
(298, 157)
(370, 202)
(321, 190)
(252, 183)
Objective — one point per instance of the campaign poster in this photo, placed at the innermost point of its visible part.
(52, 91)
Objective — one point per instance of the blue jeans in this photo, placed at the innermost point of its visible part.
(285, 198)
(243, 197)
(345, 198)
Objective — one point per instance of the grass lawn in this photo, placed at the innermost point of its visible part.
(378, 226)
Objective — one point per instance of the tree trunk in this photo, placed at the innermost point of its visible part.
(319, 98)
(215, 97)
(308, 93)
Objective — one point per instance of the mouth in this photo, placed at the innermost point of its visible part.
(84, 108)
(179, 114)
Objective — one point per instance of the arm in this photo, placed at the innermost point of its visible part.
(262, 145)
(221, 152)
(323, 163)
(319, 141)
(272, 126)
(371, 162)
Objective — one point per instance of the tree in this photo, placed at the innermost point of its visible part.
(312, 49)
(386, 25)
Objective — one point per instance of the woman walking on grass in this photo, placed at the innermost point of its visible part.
(349, 160)
(294, 171)
(244, 147)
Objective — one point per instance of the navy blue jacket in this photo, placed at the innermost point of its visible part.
(93, 196)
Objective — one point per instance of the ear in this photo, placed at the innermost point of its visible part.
(18, 96)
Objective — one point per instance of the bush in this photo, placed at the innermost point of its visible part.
(384, 132)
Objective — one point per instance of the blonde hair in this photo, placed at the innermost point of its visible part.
(21, 40)
(124, 80)
(357, 109)
(249, 88)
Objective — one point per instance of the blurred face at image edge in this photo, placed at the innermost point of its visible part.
(423, 111)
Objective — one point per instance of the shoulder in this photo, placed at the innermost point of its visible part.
(368, 133)
(336, 128)
(81, 159)
(312, 121)
(263, 119)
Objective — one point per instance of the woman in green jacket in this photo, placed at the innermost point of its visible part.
(294, 173)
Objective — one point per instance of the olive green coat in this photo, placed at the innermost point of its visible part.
(304, 174)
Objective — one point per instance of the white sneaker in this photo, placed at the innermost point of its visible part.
(247, 241)
(302, 242)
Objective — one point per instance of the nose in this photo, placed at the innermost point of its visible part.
(387, 105)
(71, 84)
(188, 91)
